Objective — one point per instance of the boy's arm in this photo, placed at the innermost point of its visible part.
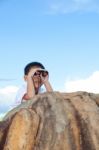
(30, 86)
(48, 86)
(46, 83)
(30, 91)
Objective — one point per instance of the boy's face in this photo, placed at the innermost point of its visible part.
(36, 78)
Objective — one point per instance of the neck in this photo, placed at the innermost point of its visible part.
(36, 91)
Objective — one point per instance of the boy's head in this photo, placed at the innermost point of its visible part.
(31, 65)
(36, 77)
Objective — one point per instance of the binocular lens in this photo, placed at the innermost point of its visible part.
(44, 73)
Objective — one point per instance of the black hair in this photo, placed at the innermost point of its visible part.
(31, 65)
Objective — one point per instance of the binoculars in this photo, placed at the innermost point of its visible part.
(42, 72)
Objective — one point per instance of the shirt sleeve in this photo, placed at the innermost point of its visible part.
(21, 92)
(19, 95)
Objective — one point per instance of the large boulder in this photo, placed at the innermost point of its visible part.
(53, 121)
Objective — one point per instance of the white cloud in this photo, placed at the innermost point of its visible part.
(8, 90)
(2, 115)
(7, 97)
(69, 6)
(90, 84)
(83, 1)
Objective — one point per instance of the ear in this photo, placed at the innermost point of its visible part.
(25, 77)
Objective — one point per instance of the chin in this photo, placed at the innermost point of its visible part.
(37, 86)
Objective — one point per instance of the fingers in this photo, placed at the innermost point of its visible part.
(44, 79)
(32, 72)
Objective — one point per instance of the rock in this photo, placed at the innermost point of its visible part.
(53, 121)
(22, 131)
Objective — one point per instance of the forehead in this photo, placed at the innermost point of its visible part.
(34, 67)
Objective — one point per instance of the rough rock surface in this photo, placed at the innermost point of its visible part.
(53, 121)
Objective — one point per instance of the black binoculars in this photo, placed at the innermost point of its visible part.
(42, 72)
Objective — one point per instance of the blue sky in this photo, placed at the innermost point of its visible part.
(62, 34)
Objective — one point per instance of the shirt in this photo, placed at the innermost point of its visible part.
(21, 92)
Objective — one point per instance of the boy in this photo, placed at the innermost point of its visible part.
(35, 76)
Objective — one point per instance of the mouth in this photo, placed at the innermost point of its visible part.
(37, 82)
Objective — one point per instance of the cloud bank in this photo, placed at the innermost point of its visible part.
(90, 84)
(7, 97)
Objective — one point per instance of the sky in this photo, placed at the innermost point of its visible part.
(61, 34)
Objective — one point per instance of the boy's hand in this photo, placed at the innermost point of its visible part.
(44, 79)
(32, 72)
